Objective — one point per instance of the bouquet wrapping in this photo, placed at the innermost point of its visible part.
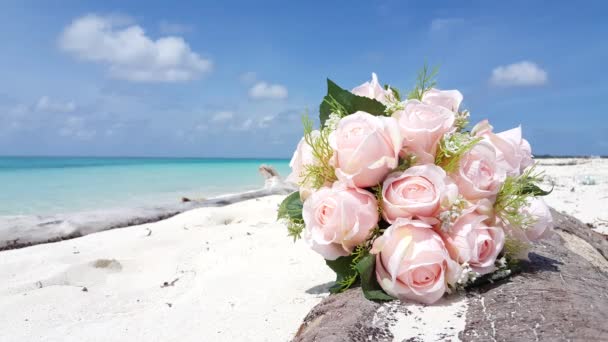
(398, 195)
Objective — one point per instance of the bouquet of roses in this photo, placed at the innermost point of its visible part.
(399, 197)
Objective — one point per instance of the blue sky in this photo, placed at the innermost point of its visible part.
(232, 78)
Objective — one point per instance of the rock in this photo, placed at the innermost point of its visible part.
(560, 295)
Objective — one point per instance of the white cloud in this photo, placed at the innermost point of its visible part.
(129, 53)
(46, 104)
(222, 116)
(523, 73)
(439, 24)
(265, 121)
(263, 90)
(75, 127)
(166, 27)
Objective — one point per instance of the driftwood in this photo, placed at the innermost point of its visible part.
(561, 295)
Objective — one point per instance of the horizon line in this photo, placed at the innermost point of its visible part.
(140, 157)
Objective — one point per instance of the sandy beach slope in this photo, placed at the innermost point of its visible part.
(580, 189)
(210, 274)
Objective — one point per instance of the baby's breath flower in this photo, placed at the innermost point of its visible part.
(332, 121)
(452, 147)
(467, 277)
(449, 216)
(393, 106)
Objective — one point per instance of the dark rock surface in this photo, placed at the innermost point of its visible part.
(560, 295)
(575, 227)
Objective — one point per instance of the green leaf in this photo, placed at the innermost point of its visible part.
(349, 101)
(395, 91)
(533, 189)
(291, 207)
(371, 289)
(424, 82)
(345, 274)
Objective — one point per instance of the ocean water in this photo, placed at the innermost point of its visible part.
(44, 198)
(58, 185)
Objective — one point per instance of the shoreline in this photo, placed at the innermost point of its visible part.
(568, 176)
(29, 230)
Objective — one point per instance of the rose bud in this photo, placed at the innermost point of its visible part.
(513, 152)
(374, 90)
(300, 159)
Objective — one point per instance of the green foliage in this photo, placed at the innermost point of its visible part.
(291, 207)
(424, 82)
(335, 106)
(451, 149)
(348, 268)
(514, 247)
(395, 92)
(371, 289)
(462, 120)
(346, 275)
(515, 194)
(534, 190)
(406, 162)
(347, 103)
(290, 210)
(377, 191)
(320, 172)
(295, 229)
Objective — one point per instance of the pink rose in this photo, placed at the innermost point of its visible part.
(512, 151)
(471, 240)
(413, 263)
(422, 126)
(300, 159)
(339, 218)
(449, 99)
(540, 228)
(418, 192)
(366, 148)
(479, 175)
(542, 225)
(374, 90)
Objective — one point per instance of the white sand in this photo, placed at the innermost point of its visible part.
(581, 190)
(235, 276)
(441, 321)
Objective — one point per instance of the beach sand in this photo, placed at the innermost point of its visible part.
(209, 274)
(580, 189)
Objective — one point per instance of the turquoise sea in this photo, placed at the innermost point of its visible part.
(63, 185)
(42, 198)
